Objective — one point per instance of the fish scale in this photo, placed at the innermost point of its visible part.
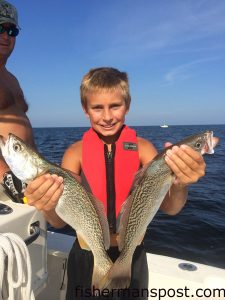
(140, 209)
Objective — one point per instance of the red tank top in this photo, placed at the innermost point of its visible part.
(126, 164)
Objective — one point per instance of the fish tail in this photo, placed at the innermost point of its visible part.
(99, 273)
(118, 277)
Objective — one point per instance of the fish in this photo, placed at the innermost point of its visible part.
(153, 183)
(76, 206)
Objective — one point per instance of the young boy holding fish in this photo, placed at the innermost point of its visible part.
(106, 161)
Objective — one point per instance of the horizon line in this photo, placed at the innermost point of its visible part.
(158, 125)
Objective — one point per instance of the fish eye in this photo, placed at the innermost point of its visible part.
(198, 145)
(17, 147)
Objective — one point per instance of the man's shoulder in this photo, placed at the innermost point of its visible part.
(13, 77)
(6, 75)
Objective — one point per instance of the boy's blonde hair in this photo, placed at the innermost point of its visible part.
(104, 79)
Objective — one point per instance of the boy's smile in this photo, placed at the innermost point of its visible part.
(106, 110)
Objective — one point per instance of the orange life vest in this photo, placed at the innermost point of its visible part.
(125, 164)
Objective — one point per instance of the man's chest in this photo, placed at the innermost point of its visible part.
(10, 93)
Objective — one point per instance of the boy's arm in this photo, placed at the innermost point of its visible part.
(44, 192)
(187, 165)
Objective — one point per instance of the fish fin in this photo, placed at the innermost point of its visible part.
(138, 176)
(118, 277)
(82, 243)
(123, 221)
(103, 220)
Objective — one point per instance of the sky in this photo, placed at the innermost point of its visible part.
(173, 52)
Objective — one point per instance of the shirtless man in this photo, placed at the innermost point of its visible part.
(13, 106)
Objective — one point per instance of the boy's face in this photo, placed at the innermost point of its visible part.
(106, 111)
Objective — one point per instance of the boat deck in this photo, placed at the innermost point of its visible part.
(166, 279)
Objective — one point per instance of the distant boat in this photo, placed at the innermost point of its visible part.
(164, 126)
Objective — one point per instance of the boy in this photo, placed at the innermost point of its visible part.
(106, 160)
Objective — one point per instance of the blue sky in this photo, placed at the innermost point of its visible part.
(173, 52)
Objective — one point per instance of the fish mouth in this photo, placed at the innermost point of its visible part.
(210, 144)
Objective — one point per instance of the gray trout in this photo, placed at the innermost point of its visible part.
(142, 205)
(76, 206)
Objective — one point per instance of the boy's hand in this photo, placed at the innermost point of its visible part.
(187, 164)
(44, 192)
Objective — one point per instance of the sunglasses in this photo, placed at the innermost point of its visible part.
(11, 30)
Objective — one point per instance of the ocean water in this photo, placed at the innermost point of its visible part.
(197, 233)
